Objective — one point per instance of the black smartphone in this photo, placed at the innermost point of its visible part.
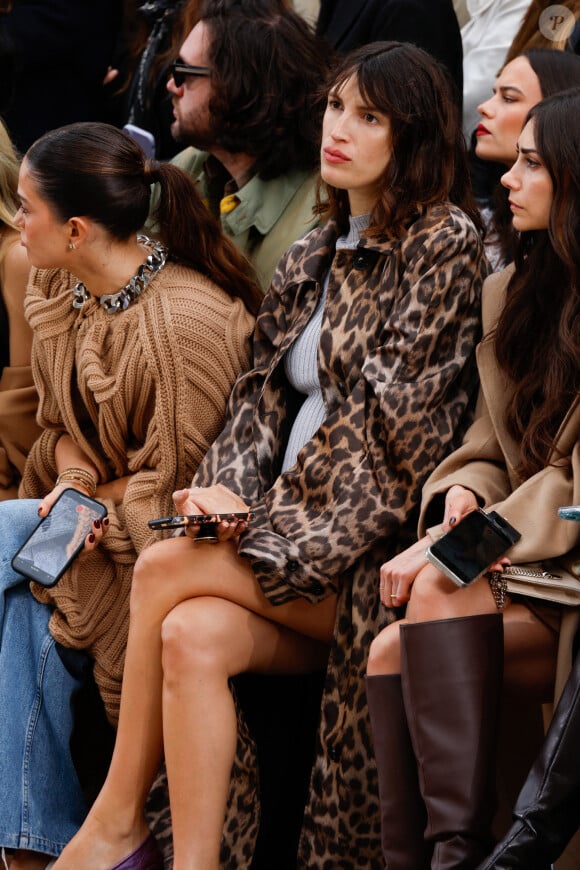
(180, 522)
(470, 547)
(58, 538)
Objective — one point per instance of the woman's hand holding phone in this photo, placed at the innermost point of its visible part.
(216, 499)
(60, 536)
(459, 501)
(98, 528)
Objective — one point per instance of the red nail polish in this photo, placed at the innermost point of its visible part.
(97, 524)
(91, 538)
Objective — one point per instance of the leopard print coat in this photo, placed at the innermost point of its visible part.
(396, 367)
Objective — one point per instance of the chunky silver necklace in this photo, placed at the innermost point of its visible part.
(120, 301)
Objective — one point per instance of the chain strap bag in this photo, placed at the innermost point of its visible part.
(546, 580)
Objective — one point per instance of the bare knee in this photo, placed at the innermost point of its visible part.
(152, 572)
(434, 596)
(384, 654)
(197, 639)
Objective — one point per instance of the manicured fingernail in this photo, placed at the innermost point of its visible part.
(97, 524)
(452, 521)
(91, 538)
(106, 521)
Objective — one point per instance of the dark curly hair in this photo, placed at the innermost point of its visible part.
(429, 162)
(538, 334)
(267, 68)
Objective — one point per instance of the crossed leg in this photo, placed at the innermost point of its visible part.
(198, 616)
(530, 646)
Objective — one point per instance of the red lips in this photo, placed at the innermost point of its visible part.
(333, 155)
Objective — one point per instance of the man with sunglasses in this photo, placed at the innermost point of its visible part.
(244, 97)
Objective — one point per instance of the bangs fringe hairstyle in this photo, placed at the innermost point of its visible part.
(538, 335)
(97, 171)
(9, 166)
(429, 163)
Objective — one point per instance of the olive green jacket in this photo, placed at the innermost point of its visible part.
(270, 215)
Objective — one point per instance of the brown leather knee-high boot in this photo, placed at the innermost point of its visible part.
(452, 673)
(403, 816)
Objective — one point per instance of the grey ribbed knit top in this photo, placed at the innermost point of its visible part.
(301, 360)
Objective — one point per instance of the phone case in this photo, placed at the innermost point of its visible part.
(465, 552)
(180, 522)
(58, 538)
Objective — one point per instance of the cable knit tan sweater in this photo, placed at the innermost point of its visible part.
(143, 392)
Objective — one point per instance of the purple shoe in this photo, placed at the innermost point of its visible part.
(145, 857)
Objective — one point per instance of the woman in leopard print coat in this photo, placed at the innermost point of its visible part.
(390, 287)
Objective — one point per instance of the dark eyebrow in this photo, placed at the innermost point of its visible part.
(527, 150)
(505, 88)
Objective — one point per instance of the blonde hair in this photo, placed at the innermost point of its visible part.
(9, 166)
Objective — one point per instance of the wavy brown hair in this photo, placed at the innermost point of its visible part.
(429, 162)
(98, 171)
(538, 334)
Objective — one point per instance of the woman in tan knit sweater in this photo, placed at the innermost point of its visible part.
(133, 385)
(18, 429)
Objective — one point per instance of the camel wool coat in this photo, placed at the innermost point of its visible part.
(487, 461)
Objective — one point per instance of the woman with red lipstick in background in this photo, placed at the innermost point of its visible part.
(523, 82)
(362, 375)
(434, 679)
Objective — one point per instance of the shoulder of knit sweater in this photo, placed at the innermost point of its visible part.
(49, 282)
(210, 313)
(180, 281)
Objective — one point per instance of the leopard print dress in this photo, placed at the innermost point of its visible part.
(396, 367)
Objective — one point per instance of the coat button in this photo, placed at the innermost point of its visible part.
(341, 388)
(317, 588)
(361, 260)
(292, 565)
(334, 753)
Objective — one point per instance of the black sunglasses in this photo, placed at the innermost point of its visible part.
(180, 70)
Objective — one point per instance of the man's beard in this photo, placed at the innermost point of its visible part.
(198, 135)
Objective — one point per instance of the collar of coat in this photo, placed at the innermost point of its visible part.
(310, 257)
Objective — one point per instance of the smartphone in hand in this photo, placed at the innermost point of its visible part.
(180, 522)
(470, 547)
(58, 538)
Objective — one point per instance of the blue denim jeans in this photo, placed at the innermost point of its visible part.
(41, 802)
